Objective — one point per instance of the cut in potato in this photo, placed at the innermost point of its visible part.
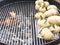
(55, 29)
(42, 9)
(39, 15)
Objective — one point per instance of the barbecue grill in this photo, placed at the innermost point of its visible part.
(23, 29)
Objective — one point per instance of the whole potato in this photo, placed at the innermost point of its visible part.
(46, 34)
(54, 20)
(50, 12)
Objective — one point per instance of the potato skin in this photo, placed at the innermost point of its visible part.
(42, 23)
(39, 2)
(54, 20)
(52, 7)
(46, 4)
(37, 7)
(46, 34)
(50, 12)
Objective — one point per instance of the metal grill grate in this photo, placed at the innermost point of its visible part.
(23, 31)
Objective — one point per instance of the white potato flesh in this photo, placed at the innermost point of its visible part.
(46, 4)
(46, 34)
(42, 9)
(37, 7)
(52, 7)
(50, 12)
(55, 30)
(42, 23)
(37, 15)
(54, 19)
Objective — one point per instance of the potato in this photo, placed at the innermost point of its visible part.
(46, 3)
(52, 7)
(50, 12)
(37, 7)
(54, 20)
(55, 29)
(43, 32)
(42, 23)
(46, 34)
(41, 1)
(37, 2)
(39, 15)
(42, 9)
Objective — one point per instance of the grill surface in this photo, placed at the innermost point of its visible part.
(23, 31)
